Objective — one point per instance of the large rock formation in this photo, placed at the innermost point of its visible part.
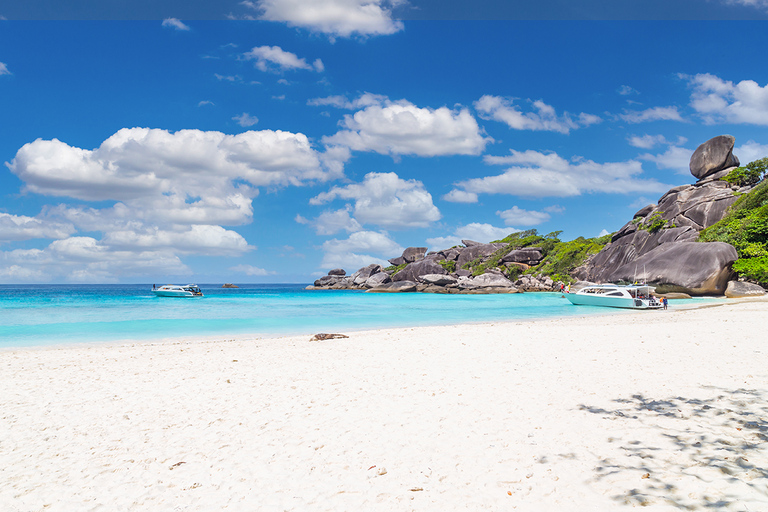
(678, 217)
(714, 155)
(686, 267)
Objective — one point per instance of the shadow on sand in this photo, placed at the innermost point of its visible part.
(717, 447)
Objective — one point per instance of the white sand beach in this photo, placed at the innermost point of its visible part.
(664, 409)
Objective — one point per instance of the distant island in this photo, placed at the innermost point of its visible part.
(229, 285)
(708, 238)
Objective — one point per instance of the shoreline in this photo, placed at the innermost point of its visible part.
(602, 412)
(594, 312)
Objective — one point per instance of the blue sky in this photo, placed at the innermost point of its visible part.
(270, 142)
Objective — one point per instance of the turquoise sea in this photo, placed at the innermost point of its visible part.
(33, 315)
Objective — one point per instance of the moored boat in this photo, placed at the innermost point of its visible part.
(175, 290)
(634, 296)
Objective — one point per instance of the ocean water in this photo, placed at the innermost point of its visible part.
(34, 315)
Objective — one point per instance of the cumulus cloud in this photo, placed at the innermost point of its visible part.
(750, 151)
(717, 100)
(175, 24)
(401, 128)
(543, 118)
(337, 18)
(4, 69)
(518, 217)
(172, 194)
(535, 174)
(479, 232)
(21, 227)
(86, 260)
(460, 196)
(245, 120)
(675, 158)
(136, 162)
(385, 200)
(331, 222)
(275, 59)
(250, 270)
(360, 249)
(651, 114)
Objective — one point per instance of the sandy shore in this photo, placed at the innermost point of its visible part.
(663, 409)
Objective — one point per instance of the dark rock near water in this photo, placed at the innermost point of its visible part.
(714, 155)
(438, 279)
(377, 279)
(395, 286)
(687, 267)
(337, 272)
(740, 289)
(473, 252)
(419, 268)
(412, 254)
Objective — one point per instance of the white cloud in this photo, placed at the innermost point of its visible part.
(137, 162)
(518, 216)
(649, 141)
(204, 103)
(479, 232)
(536, 174)
(250, 270)
(717, 100)
(172, 193)
(245, 119)
(460, 196)
(385, 200)
(401, 128)
(86, 260)
(646, 141)
(4, 69)
(337, 18)
(195, 239)
(676, 158)
(758, 4)
(175, 24)
(626, 90)
(651, 114)
(360, 249)
(227, 78)
(21, 227)
(274, 58)
(365, 100)
(331, 222)
(603, 232)
(750, 151)
(543, 119)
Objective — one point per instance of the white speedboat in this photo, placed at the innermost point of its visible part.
(634, 296)
(175, 290)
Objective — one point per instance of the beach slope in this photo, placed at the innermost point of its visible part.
(665, 409)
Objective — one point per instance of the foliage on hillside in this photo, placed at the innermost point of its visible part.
(559, 258)
(745, 227)
(564, 257)
(749, 175)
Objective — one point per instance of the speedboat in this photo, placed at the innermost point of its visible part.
(175, 290)
(633, 296)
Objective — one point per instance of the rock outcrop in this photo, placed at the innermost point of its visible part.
(714, 155)
(677, 218)
(685, 267)
(741, 289)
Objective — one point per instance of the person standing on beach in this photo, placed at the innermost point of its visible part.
(664, 302)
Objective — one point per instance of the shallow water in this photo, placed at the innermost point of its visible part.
(32, 315)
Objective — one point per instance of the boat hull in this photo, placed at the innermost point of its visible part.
(610, 302)
(173, 293)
